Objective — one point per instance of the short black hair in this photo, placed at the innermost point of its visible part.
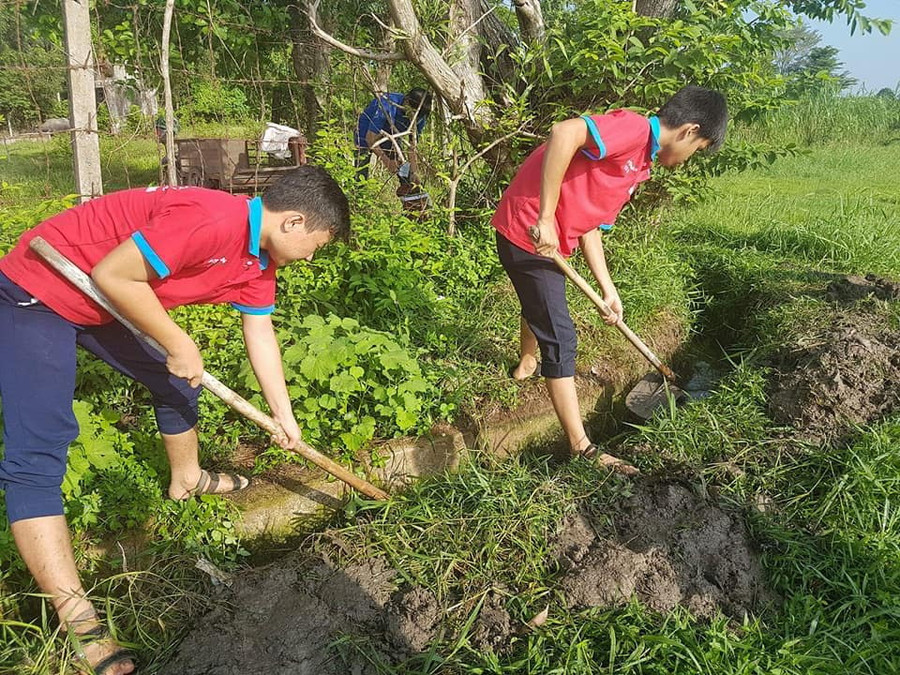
(312, 191)
(418, 99)
(698, 105)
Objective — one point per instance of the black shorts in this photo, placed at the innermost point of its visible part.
(541, 287)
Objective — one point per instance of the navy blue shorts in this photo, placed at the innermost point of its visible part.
(541, 288)
(37, 383)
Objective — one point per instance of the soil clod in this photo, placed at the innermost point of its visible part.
(851, 288)
(666, 547)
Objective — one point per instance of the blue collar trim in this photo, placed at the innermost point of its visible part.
(255, 219)
(654, 137)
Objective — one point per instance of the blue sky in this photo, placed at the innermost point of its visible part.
(872, 59)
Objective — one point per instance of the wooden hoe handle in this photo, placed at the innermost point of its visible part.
(594, 297)
(83, 282)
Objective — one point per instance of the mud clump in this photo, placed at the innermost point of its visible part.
(847, 375)
(282, 619)
(494, 627)
(851, 288)
(667, 547)
(413, 620)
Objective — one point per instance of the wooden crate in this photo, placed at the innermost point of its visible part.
(234, 165)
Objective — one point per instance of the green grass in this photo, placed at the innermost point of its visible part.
(826, 118)
(834, 209)
(746, 267)
(32, 170)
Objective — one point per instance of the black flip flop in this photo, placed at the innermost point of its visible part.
(100, 633)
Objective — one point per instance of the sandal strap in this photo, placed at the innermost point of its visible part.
(116, 657)
(590, 451)
(208, 483)
(98, 633)
(237, 483)
(202, 486)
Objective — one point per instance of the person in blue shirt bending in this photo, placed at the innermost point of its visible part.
(388, 115)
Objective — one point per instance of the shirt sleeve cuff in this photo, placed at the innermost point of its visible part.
(256, 311)
(595, 134)
(162, 271)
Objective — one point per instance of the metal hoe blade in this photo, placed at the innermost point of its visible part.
(653, 391)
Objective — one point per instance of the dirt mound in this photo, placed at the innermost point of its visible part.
(847, 375)
(669, 547)
(281, 619)
(851, 288)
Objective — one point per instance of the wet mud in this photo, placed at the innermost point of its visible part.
(850, 288)
(846, 375)
(293, 616)
(668, 547)
(305, 615)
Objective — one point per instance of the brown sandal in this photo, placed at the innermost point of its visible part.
(208, 483)
(589, 452)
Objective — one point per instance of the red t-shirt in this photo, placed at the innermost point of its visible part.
(203, 245)
(595, 187)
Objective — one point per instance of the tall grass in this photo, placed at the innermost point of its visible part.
(827, 117)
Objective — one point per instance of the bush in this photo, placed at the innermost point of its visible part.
(350, 383)
(213, 101)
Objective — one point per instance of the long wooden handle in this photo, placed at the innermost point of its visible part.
(83, 282)
(586, 288)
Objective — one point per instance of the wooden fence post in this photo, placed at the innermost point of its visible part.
(82, 98)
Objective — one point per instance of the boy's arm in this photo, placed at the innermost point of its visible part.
(124, 276)
(265, 358)
(566, 138)
(372, 141)
(591, 245)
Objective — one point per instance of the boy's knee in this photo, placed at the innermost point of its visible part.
(176, 408)
(558, 370)
(25, 501)
(33, 483)
(172, 421)
(558, 358)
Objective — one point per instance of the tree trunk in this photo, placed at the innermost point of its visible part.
(383, 69)
(660, 9)
(308, 57)
(499, 42)
(457, 78)
(531, 20)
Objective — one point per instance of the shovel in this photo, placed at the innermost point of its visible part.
(651, 392)
(83, 282)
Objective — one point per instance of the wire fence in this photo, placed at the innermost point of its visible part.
(234, 68)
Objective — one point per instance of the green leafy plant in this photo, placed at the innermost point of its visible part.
(97, 447)
(350, 383)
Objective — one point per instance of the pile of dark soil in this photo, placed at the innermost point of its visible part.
(847, 375)
(281, 619)
(849, 288)
(669, 547)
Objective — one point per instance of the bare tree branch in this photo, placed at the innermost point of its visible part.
(531, 20)
(454, 182)
(337, 44)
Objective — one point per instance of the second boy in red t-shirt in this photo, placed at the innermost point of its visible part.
(570, 189)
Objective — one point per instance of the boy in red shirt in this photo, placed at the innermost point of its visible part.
(570, 189)
(147, 250)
